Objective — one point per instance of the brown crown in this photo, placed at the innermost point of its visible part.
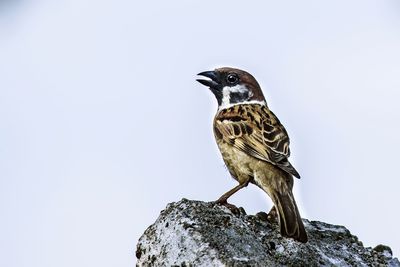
(245, 79)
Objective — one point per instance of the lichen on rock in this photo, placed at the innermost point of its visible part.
(196, 233)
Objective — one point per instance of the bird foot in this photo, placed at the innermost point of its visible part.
(235, 210)
(272, 216)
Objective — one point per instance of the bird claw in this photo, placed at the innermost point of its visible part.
(235, 210)
(272, 216)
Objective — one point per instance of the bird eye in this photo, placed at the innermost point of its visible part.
(232, 78)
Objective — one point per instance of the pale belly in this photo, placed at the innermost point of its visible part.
(245, 168)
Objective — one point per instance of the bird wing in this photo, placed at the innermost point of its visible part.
(255, 130)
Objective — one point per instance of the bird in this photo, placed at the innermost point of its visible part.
(254, 144)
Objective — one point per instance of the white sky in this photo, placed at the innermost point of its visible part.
(102, 123)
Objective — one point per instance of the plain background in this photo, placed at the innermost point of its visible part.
(102, 123)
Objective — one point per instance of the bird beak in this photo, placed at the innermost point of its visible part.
(214, 83)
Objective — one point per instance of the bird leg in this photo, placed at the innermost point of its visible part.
(223, 200)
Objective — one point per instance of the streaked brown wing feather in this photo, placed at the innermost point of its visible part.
(255, 130)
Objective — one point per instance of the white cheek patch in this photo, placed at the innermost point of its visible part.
(237, 88)
(226, 94)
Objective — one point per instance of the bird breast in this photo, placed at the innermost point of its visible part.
(239, 164)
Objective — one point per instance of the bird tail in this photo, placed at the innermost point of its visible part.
(289, 217)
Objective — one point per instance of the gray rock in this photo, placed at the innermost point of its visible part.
(195, 233)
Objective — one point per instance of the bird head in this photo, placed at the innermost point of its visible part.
(232, 86)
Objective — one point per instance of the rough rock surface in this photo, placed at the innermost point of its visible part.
(195, 233)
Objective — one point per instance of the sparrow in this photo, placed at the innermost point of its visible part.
(254, 144)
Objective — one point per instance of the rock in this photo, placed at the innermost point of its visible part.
(195, 233)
